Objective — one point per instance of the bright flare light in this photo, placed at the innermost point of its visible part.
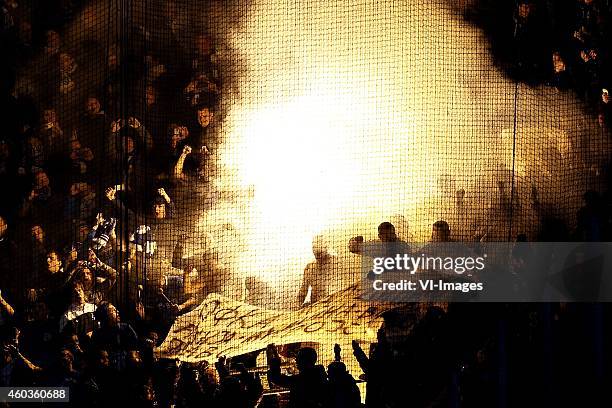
(306, 164)
(341, 115)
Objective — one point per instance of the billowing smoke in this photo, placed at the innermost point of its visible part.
(352, 113)
(337, 115)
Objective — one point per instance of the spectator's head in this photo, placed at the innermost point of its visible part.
(306, 358)
(53, 42)
(401, 224)
(108, 315)
(251, 283)
(130, 145)
(66, 63)
(159, 208)
(49, 117)
(3, 227)
(41, 180)
(440, 232)
(75, 145)
(133, 359)
(386, 232)
(205, 116)
(54, 262)
(25, 32)
(84, 276)
(203, 44)
(103, 359)
(605, 96)
(113, 57)
(558, 63)
(92, 106)
(66, 360)
(9, 335)
(336, 371)
(151, 95)
(151, 339)
(210, 378)
(100, 360)
(38, 234)
(320, 248)
(524, 9)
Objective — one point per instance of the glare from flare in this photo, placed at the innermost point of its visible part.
(343, 115)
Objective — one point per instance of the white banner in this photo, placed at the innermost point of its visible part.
(224, 327)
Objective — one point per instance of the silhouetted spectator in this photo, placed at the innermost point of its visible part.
(318, 274)
(342, 389)
(243, 390)
(591, 220)
(308, 387)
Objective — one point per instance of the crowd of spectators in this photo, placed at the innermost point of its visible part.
(561, 44)
(564, 45)
(100, 142)
(92, 271)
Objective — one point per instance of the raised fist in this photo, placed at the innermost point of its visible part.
(163, 193)
(116, 126)
(110, 193)
(133, 122)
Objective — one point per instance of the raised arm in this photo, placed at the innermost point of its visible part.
(107, 272)
(177, 172)
(103, 271)
(144, 137)
(170, 207)
(113, 142)
(5, 308)
(301, 296)
(360, 355)
(117, 204)
(18, 356)
(337, 351)
(221, 366)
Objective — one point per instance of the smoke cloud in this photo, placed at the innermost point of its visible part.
(337, 115)
(353, 113)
